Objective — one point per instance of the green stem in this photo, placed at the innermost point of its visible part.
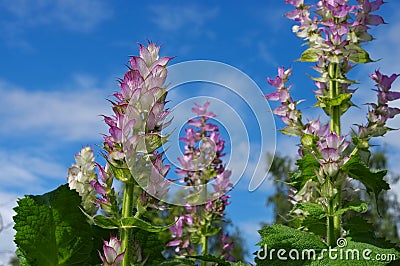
(204, 238)
(127, 211)
(333, 224)
(330, 226)
(354, 152)
(204, 245)
(333, 93)
(334, 201)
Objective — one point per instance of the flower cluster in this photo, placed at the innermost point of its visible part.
(113, 255)
(181, 240)
(139, 116)
(337, 27)
(83, 178)
(227, 247)
(106, 198)
(80, 176)
(140, 102)
(334, 36)
(287, 111)
(200, 164)
(330, 150)
(201, 161)
(380, 112)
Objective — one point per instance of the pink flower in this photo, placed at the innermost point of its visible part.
(112, 252)
(201, 110)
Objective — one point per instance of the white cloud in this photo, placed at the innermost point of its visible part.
(70, 14)
(28, 173)
(174, 18)
(71, 113)
(7, 246)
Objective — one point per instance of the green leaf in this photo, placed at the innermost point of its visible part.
(307, 166)
(283, 237)
(122, 173)
(362, 231)
(307, 139)
(343, 100)
(51, 230)
(345, 81)
(21, 258)
(211, 258)
(219, 261)
(133, 222)
(356, 205)
(314, 218)
(130, 222)
(212, 231)
(358, 54)
(372, 180)
(106, 222)
(291, 131)
(310, 55)
(152, 245)
(326, 101)
(150, 142)
(175, 262)
(313, 209)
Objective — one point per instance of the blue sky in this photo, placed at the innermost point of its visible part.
(60, 60)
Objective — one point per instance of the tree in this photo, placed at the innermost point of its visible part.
(280, 168)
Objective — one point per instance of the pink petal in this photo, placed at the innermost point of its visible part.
(109, 253)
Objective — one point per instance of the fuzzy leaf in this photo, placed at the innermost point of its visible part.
(343, 100)
(291, 131)
(358, 54)
(150, 142)
(372, 180)
(211, 258)
(151, 244)
(310, 55)
(121, 173)
(360, 231)
(307, 166)
(337, 101)
(106, 222)
(132, 222)
(357, 206)
(314, 218)
(283, 237)
(175, 262)
(313, 209)
(51, 230)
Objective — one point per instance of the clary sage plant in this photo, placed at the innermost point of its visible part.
(106, 214)
(334, 32)
(114, 213)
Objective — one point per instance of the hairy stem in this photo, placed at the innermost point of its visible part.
(127, 211)
(204, 238)
(333, 93)
(330, 239)
(204, 245)
(334, 222)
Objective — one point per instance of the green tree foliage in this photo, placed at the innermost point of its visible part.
(279, 172)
